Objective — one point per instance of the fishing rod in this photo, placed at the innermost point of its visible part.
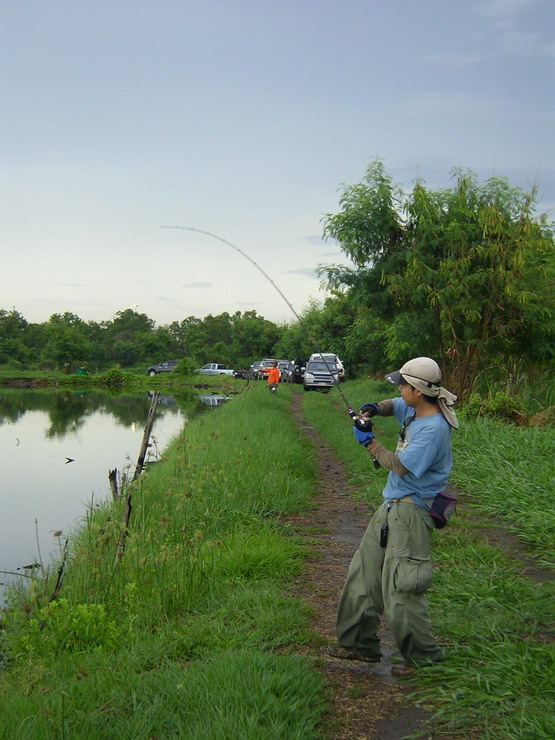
(361, 422)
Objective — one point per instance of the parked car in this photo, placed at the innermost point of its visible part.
(282, 367)
(294, 371)
(320, 375)
(284, 372)
(254, 368)
(330, 357)
(162, 367)
(214, 368)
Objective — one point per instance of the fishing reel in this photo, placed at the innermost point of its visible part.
(363, 423)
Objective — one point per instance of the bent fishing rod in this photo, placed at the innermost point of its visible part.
(359, 421)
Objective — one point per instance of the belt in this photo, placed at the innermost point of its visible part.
(405, 499)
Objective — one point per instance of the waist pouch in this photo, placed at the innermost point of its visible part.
(442, 508)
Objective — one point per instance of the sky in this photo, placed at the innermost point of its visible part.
(244, 119)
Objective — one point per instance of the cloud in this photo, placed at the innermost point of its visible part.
(60, 285)
(457, 60)
(511, 40)
(314, 239)
(505, 9)
(475, 106)
(525, 43)
(195, 286)
(307, 271)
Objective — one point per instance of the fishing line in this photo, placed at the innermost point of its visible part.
(269, 279)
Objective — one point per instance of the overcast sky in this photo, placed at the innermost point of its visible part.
(243, 118)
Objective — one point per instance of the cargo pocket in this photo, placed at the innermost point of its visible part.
(412, 575)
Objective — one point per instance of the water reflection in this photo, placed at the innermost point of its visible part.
(40, 430)
(213, 399)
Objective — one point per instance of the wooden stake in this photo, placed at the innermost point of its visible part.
(146, 435)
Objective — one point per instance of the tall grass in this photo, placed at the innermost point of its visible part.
(189, 633)
(496, 625)
(511, 473)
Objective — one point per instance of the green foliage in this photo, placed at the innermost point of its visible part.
(115, 377)
(463, 275)
(131, 340)
(61, 626)
(500, 405)
(186, 367)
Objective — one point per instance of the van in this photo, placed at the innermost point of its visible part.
(331, 358)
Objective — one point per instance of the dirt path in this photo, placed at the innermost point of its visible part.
(368, 704)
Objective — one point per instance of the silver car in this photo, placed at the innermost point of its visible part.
(320, 375)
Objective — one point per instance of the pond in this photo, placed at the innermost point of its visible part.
(58, 447)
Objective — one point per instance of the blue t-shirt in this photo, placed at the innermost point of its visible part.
(425, 452)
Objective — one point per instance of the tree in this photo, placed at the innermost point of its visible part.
(458, 273)
(253, 337)
(66, 340)
(323, 327)
(13, 327)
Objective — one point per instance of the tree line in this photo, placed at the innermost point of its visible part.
(132, 339)
(464, 274)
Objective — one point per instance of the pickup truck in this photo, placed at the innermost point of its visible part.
(320, 375)
(214, 368)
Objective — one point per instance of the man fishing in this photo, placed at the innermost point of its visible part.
(392, 570)
(273, 376)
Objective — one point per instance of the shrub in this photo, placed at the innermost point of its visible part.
(186, 366)
(499, 406)
(116, 377)
(61, 626)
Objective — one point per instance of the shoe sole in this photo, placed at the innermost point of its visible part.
(345, 654)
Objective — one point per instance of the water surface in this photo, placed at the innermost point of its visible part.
(57, 448)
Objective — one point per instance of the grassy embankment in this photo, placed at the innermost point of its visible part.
(115, 379)
(189, 635)
(496, 624)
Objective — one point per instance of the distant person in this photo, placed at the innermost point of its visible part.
(273, 376)
(392, 569)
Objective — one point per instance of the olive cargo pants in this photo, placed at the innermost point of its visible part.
(391, 580)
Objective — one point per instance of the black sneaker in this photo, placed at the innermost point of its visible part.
(336, 651)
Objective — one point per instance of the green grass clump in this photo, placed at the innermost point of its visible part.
(511, 473)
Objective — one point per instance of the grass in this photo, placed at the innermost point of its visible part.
(512, 471)
(190, 634)
(496, 625)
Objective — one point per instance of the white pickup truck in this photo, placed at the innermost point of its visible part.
(214, 368)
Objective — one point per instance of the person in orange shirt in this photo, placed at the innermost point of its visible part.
(273, 376)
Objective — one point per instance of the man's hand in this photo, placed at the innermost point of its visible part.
(364, 438)
(362, 423)
(369, 409)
